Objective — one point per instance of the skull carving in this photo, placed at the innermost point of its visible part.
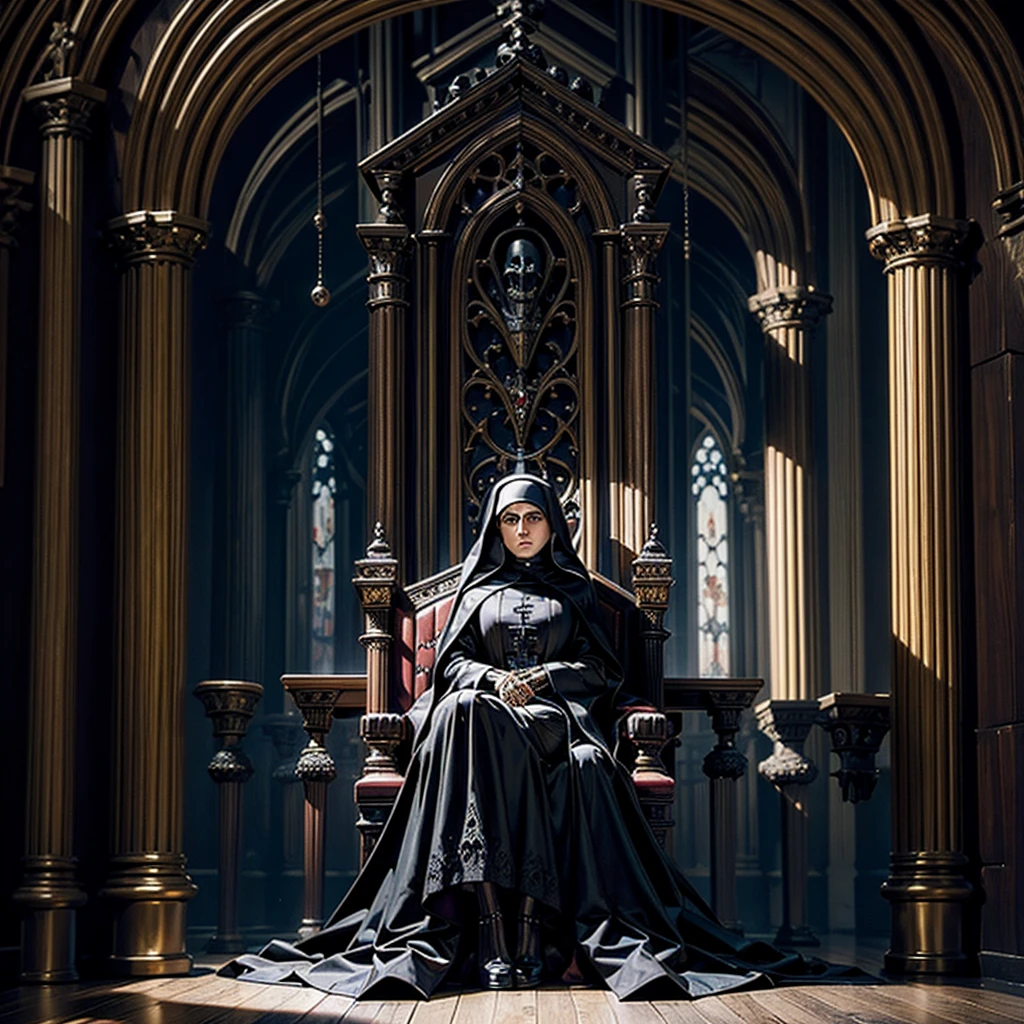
(522, 271)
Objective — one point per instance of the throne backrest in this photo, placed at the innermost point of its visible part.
(422, 610)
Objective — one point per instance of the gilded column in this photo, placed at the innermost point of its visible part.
(13, 203)
(927, 887)
(244, 523)
(388, 244)
(641, 242)
(147, 881)
(788, 317)
(49, 892)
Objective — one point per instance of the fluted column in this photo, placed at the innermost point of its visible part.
(14, 183)
(49, 892)
(927, 887)
(147, 881)
(788, 317)
(247, 316)
(634, 492)
(388, 244)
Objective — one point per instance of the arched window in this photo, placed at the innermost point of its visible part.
(711, 489)
(323, 488)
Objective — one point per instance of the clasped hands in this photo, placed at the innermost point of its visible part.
(519, 685)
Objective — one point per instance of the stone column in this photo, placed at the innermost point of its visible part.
(49, 892)
(927, 885)
(388, 246)
(788, 317)
(641, 242)
(244, 522)
(147, 882)
(13, 203)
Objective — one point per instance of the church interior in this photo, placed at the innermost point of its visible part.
(286, 286)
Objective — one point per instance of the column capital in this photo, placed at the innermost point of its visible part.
(794, 306)
(641, 243)
(64, 106)
(13, 183)
(388, 246)
(245, 309)
(925, 238)
(160, 236)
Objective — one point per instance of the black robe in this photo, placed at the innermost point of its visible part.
(530, 799)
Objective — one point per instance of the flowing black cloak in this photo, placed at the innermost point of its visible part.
(530, 799)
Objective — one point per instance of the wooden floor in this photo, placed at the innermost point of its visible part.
(207, 999)
(204, 998)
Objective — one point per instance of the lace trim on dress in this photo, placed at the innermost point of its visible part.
(474, 858)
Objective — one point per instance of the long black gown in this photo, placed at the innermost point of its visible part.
(530, 799)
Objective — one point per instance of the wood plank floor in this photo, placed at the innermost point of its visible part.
(204, 998)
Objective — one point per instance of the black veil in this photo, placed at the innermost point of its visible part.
(489, 566)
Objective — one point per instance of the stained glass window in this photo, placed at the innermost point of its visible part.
(324, 486)
(711, 489)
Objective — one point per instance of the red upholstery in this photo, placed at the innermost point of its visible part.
(418, 629)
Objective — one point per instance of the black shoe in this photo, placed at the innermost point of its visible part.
(496, 974)
(495, 963)
(528, 971)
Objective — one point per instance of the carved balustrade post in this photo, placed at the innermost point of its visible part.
(927, 885)
(634, 495)
(376, 581)
(648, 731)
(787, 723)
(725, 766)
(229, 705)
(316, 699)
(388, 244)
(856, 723)
(147, 881)
(14, 182)
(49, 893)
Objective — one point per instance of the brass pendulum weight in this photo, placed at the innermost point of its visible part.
(320, 293)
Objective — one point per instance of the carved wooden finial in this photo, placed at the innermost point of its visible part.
(379, 547)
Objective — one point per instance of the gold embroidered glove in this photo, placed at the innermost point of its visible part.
(520, 685)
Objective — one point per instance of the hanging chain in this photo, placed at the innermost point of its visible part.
(320, 294)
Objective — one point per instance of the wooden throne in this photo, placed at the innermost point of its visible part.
(512, 271)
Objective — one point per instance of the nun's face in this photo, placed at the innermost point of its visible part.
(524, 529)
